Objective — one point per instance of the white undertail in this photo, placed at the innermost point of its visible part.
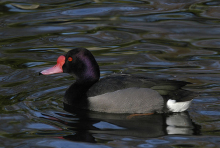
(174, 106)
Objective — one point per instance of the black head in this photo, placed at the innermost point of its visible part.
(80, 62)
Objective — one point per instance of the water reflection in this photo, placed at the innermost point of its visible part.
(93, 127)
(86, 124)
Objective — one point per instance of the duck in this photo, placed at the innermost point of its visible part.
(118, 93)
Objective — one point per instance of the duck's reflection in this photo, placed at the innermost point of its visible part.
(156, 125)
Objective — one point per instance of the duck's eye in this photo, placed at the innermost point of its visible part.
(70, 59)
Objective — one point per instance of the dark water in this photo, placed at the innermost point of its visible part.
(173, 39)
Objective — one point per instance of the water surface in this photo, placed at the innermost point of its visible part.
(177, 40)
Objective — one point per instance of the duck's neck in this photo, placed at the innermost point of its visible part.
(76, 94)
(87, 73)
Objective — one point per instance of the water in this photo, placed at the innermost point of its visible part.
(177, 40)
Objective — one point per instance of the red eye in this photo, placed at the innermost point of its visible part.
(70, 59)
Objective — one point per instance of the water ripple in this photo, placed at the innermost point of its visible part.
(167, 39)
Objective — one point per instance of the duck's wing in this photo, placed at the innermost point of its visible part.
(171, 89)
(118, 82)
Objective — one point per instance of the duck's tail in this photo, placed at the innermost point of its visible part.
(180, 101)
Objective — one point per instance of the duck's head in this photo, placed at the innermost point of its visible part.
(80, 62)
